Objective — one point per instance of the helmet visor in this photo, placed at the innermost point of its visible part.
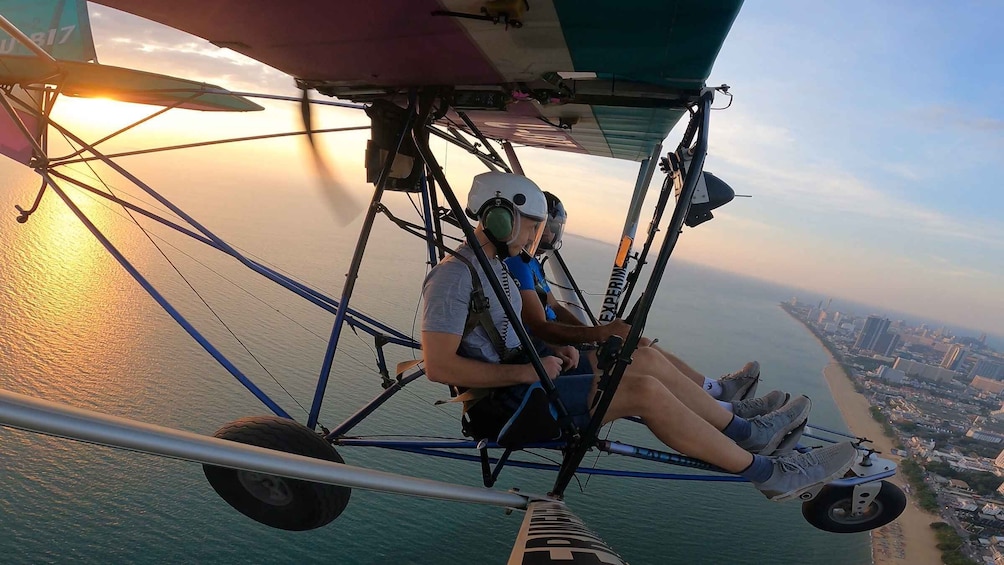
(528, 232)
(555, 226)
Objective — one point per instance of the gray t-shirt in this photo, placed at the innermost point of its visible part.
(446, 295)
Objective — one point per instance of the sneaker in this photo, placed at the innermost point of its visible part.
(769, 430)
(797, 473)
(741, 384)
(766, 404)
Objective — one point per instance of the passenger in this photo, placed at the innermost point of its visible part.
(552, 323)
(511, 210)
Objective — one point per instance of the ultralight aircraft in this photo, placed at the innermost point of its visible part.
(588, 77)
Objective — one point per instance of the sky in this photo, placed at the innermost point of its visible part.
(868, 134)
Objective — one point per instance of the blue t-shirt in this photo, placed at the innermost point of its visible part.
(530, 276)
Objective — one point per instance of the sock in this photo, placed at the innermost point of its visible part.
(726, 405)
(738, 429)
(759, 470)
(714, 388)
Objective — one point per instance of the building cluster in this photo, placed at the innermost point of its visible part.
(917, 352)
(944, 396)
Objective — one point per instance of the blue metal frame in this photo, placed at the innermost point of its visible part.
(383, 334)
(434, 449)
(184, 323)
(357, 257)
(352, 317)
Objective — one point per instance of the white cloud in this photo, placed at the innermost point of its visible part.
(776, 166)
(125, 40)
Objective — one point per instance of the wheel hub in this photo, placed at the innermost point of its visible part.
(842, 512)
(269, 489)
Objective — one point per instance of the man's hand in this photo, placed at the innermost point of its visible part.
(617, 327)
(569, 356)
(552, 366)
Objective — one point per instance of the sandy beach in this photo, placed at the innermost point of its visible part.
(910, 539)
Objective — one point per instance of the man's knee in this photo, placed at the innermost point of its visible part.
(644, 359)
(639, 392)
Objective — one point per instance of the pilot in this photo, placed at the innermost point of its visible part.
(551, 322)
(511, 211)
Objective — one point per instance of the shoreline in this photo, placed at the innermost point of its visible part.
(909, 540)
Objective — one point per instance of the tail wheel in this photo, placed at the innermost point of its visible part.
(280, 502)
(832, 509)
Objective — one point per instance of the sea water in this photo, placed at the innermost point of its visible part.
(75, 328)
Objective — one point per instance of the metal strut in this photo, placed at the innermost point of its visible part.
(621, 356)
(357, 258)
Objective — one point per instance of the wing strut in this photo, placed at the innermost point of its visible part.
(552, 534)
(615, 354)
(60, 420)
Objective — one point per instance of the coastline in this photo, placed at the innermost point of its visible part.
(909, 539)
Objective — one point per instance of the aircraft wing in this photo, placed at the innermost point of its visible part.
(64, 54)
(587, 76)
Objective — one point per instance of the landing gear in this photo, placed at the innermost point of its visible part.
(280, 502)
(860, 508)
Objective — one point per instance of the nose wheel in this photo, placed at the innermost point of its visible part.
(852, 509)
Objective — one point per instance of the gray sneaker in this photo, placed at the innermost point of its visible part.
(766, 404)
(769, 430)
(797, 473)
(741, 384)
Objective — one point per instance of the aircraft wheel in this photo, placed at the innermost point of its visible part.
(830, 510)
(280, 502)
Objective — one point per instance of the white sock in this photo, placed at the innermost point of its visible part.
(714, 388)
(725, 405)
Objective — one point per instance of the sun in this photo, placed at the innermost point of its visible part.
(104, 113)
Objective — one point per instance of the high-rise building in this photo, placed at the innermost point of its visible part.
(990, 369)
(871, 332)
(923, 371)
(987, 385)
(953, 357)
(886, 344)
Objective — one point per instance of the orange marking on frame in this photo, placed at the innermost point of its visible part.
(622, 251)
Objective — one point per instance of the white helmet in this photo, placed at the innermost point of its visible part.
(498, 200)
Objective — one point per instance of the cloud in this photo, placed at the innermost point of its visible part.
(906, 171)
(955, 117)
(125, 40)
(777, 166)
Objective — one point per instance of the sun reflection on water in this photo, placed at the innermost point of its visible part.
(60, 301)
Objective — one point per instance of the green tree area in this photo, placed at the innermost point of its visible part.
(923, 493)
(973, 447)
(950, 545)
(983, 483)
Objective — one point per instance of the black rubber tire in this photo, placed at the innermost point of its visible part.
(280, 502)
(828, 511)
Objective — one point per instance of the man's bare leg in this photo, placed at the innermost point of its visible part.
(681, 366)
(647, 361)
(674, 423)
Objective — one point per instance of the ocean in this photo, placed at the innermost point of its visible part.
(75, 328)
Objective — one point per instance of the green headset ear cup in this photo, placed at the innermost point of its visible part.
(498, 222)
